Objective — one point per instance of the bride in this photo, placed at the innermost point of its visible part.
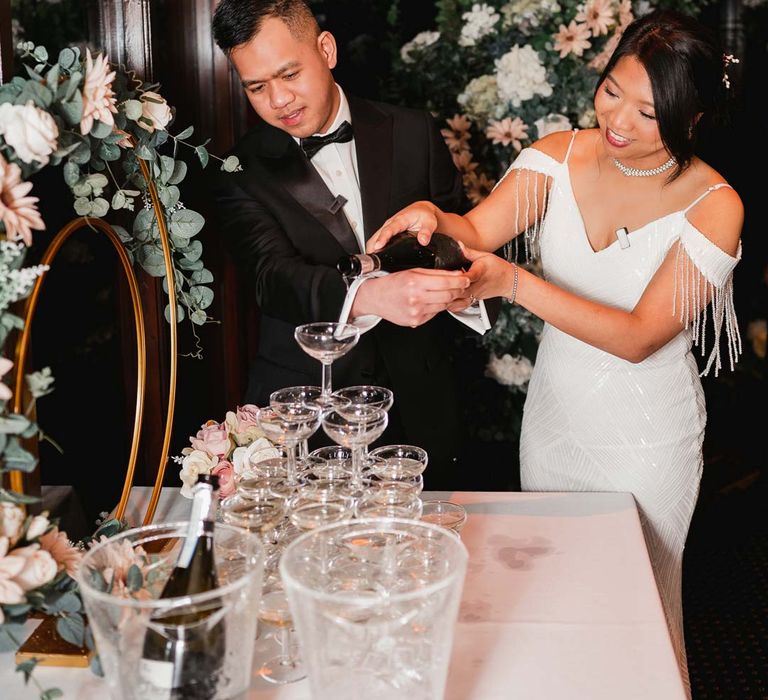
(638, 239)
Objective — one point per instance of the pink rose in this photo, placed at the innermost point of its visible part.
(10, 566)
(156, 110)
(37, 526)
(226, 473)
(243, 425)
(39, 567)
(246, 415)
(11, 519)
(213, 439)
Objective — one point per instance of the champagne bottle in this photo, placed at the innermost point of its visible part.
(184, 648)
(404, 252)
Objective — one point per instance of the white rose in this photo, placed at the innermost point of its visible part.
(29, 131)
(195, 463)
(508, 370)
(552, 123)
(37, 526)
(521, 75)
(155, 109)
(420, 41)
(259, 450)
(11, 520)
(40, 567)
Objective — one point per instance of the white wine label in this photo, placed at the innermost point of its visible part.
(155, 679)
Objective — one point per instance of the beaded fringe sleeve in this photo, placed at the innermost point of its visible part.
(704, 272)
(533, 174)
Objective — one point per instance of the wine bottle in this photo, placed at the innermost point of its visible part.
(404, 252)
(184, 649)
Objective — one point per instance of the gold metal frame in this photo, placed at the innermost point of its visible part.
(22, 348)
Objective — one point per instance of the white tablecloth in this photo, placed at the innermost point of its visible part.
(559, 603)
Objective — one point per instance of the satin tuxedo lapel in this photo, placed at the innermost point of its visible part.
(291, 169)
(373, 144)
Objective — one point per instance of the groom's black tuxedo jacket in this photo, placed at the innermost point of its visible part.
(286, 232)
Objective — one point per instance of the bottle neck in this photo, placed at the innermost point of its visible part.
(203, 512)
(369, 263)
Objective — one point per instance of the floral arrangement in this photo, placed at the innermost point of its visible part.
(100, 123)
(501, 74)
(226, 449)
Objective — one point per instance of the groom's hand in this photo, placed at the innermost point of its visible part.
(410, 297)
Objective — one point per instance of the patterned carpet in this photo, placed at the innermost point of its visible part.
(725, 595)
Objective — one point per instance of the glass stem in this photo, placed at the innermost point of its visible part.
(327, 379)
(357, 466)
(291, 463)
(303, 450)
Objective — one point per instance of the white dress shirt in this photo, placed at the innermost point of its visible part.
(336, 163)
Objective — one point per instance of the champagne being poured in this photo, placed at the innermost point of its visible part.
(404, 252)
(184, 647)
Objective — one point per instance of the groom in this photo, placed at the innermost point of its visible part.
(321, 172)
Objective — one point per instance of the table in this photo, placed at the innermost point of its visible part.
(559, 602)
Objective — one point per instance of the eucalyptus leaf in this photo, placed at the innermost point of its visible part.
(100, 207)
(134, 579)
(202, 296)
(72, 111)
(31, 72)
(68, 602)
(100, 129)
(16, 457)
(202, 153)
(14, 424)
(231, 164)
(51, 694)
(186, 133)
(71, 173)
(166, 167)
(169, 196)
(71, 92)
(67, 58)
(10, 635)
(144, 152)
(198, 317)
(82, 154)
(40, 53)
(185, 264)
(109, 151)
(82, 188)
(202, 277)
(125, 237)
(27, 667)
(179, 172)
(83, 206)
(71, 628)
(52, 77)
(160, 136)
(144, 220)
(118, 200)
(132, 109)
(179, 313)
(186, 223)
(20, 498)
(98, 182)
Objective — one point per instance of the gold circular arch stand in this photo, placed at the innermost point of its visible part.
(22, 348)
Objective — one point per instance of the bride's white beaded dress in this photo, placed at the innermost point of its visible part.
(595, 422)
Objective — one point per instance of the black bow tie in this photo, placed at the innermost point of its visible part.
(312, 144)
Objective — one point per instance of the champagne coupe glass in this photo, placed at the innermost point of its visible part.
(355, 429)
(285, 667)
(289, 429)
(327, 341)
(398, 461)
(284, 400)
(351, 397)
(388, 500)
(444, 513)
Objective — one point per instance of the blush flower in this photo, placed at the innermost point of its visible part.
(478, 187)
(39, 567)
(212, 438)
(18, 212)
(508, 131)
(64, 553)
(98, 97)
(11, 566)
(226, 473)
(457, 135)
(5, 367)
(597, 15)
(572, 39)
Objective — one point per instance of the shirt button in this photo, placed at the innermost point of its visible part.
(339, 173)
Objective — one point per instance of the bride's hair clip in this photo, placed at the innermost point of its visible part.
(728, 58)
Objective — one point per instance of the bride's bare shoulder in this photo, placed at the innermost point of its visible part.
(556, 144)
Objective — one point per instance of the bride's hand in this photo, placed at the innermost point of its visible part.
(490, 275)
(419, 217)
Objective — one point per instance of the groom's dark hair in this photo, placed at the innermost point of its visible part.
(236, 22)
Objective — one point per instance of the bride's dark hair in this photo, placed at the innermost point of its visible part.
(684, 62)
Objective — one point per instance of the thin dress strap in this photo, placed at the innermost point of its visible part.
(704, 194)
(570, 146)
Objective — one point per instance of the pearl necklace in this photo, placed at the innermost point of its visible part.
(638, 172)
